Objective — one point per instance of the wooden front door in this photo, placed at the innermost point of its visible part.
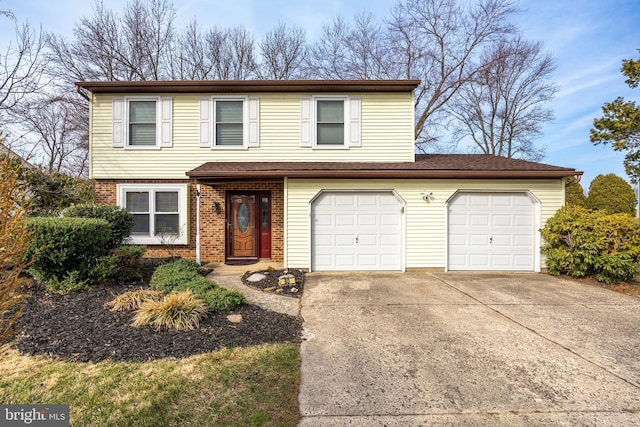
(248, 225)
(242, 233)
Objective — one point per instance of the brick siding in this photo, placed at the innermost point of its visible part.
(212, 224)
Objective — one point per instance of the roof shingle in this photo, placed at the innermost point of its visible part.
(425, 166)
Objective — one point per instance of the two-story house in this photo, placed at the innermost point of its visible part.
(319, 175)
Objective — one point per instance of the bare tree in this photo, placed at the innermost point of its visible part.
(22, 64)
(357, 50)
(232, 53)
(502, 110)
(439, 42)
(109, 47)
(189, 58)
(56, 126)
(283, 52)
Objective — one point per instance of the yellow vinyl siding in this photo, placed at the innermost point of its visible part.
(425, 233)
(386, 135)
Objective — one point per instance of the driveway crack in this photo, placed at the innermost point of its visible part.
(534, 331)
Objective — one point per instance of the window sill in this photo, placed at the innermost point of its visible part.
(142, 147)
(230, 147)
(169, 241)
(330, 147)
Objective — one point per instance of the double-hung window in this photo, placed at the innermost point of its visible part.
(330, 121)
(159, 212)
(142, 122)
(142, 128)
(229, 122)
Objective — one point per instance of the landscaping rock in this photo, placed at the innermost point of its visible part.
(234, 318)
(256, 277)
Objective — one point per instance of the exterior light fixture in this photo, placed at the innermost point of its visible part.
(426, 196)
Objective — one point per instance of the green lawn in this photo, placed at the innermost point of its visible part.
(254, 386)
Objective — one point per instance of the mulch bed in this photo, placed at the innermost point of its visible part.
(79, 327)
(270, 283)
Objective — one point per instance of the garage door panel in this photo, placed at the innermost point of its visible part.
(478, 240)
(325, 240)
(476, 220)
(477, 202)
(504, 240)
(368, 220)
(390, 220)
(365, 230)
(344, 240)
(523, 220)
(478, 260)
(344, 220)
(344, 200)
(367, 261)
(390, 240)
(491, 232)
(524, 241)
(368, 240)
(345, 261)
(367, 201)
(502, 220)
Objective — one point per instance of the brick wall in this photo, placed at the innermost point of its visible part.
(212, 224)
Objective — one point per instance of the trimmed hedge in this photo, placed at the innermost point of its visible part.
(62, 246)
(121, 220)
(581, 242)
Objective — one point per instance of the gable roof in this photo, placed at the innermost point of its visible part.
(426, 166)
(244, 86)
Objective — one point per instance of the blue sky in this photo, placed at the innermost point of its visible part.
(588, 38)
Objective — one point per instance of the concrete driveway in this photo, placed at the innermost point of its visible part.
(467, 349)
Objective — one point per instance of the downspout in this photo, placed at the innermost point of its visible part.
(198, 223)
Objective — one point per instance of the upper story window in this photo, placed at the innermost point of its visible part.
(142, 122)
(331, 122)
(229, 122)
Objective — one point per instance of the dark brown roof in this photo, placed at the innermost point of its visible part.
(253, 86)
(425, 166)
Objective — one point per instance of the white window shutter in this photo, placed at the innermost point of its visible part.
(205, 119)
(254, 122)
(117, 138)
(355, 103)
(166, 114)
(306, 122)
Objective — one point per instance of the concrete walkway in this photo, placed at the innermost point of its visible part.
(229, 277)
(467, 349)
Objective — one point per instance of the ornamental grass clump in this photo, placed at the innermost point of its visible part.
(181, 311)
(133, 300)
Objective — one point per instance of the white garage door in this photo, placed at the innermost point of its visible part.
(491, 231)
(356, 231)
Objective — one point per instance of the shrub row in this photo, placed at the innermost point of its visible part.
(184, 275)
(61, 247)
(580, 242)
(120, 220)
(81, 248)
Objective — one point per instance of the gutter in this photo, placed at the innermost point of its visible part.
(367, 174)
